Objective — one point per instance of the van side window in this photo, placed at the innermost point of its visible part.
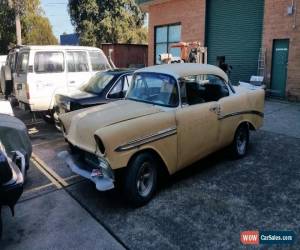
(77, 61)
(98, 61)
(22, 63)
(48, 62)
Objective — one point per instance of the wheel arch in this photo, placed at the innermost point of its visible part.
(163, 169)
(248, 123)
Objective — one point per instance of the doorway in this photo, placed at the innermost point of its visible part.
(279, 66)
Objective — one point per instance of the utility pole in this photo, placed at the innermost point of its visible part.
(17, 8)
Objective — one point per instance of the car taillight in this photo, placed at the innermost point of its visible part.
(27, 91)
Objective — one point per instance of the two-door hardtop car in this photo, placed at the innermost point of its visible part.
(102, 88)
(172, 116)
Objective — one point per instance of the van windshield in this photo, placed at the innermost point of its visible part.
(97, 83)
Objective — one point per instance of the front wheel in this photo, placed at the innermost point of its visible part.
(141, 179)
(240, 143)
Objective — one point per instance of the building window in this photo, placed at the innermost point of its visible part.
(164, 37)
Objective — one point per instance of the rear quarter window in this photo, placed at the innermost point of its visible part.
(77, 61)
(98, 61)
(22, 63)
(49, 62)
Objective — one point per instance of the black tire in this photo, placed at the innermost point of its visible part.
(239, 146)
(48, 117)
(136, 193)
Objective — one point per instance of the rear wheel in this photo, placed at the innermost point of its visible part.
(141, 179)
(240, 143)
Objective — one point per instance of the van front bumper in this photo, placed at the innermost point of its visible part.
(101, 174)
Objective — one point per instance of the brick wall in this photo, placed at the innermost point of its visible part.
(191, 15)
(278, 25)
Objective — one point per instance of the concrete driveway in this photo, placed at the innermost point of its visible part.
(203, 207)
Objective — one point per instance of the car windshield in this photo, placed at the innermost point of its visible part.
(97, 83)
(154, 88)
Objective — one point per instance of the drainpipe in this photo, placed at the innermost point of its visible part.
(295, 14)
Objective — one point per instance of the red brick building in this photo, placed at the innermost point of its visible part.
(257, 37)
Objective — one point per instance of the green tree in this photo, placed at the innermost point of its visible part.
(108, 21)
(7, 26)
(36, 28)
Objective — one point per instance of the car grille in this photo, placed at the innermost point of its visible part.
(90, 160)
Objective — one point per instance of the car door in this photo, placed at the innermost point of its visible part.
(197, 129)
(197, 121)
(78, 69)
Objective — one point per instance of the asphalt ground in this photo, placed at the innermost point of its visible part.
(205, 206)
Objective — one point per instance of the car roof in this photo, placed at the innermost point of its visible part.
(56, 47)
(179, 70)
(120, 71)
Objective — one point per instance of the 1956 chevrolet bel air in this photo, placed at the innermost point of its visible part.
(173, 115)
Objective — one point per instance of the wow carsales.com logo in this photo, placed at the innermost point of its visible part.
(267, 237)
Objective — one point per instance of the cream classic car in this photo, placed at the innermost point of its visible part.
(173, 115)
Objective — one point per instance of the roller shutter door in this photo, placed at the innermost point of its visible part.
(234, 30)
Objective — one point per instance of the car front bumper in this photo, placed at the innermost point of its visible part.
(97, 174)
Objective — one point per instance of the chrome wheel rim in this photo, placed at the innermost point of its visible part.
(241, 142)
(145, 179)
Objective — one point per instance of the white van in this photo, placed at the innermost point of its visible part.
(44, 71)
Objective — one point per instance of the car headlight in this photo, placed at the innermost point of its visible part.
(100, 144)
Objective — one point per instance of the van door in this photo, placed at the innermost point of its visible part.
(20, 77)
(78, 70)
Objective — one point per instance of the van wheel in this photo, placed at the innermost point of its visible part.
(141, 179)
(240, 143)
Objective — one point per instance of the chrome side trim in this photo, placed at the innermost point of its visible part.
(147, 139)
(246, 112)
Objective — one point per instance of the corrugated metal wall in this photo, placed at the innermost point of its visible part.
(234, 30)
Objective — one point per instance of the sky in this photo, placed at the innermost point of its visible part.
(57, 13)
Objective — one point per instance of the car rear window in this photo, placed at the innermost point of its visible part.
(22, 64)
(98, 61)
(48, 62)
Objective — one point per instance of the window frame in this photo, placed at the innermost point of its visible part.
(107, 65)
(19, 63)
(168, 40)
(226, 85)
(87, 60)
(165, 106)
(49, 51)
(116, 82)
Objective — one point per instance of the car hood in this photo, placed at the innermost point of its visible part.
(80, 126)
(78, 94)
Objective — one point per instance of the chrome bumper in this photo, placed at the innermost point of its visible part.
(103, 183)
